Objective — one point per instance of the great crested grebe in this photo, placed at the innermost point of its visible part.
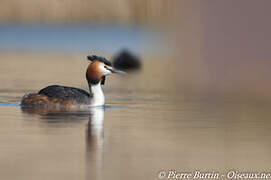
(63, 96)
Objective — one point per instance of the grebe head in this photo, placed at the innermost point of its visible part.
(96, 72)
(98, 69)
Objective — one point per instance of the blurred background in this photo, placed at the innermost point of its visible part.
(83, 26)
(35, 33)
(220, 47)
(200, 99)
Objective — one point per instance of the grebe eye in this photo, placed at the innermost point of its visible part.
(105, 67)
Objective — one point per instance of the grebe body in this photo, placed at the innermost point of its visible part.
(64, 96)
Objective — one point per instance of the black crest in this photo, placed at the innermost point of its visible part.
(99, 58)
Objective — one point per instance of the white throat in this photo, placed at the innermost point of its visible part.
(98, 95)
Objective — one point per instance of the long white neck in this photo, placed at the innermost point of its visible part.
(98, 95)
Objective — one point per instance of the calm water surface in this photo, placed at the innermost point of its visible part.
(144, 128)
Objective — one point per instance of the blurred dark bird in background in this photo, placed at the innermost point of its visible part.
(125, 60)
